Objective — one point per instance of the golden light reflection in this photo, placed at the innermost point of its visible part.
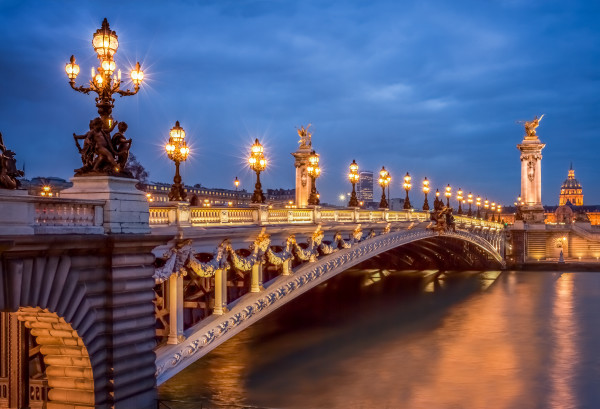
(565, 354)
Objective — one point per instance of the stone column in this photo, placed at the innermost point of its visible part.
(302, 179)
(531, 179)
(256, 279)
(220, 292)
(175, 309)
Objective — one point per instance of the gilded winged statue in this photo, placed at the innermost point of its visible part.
(531, 125)
(305, 136)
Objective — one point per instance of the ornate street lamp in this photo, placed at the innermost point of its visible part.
(178, 152)
(478, 204)
(236, 183)
(459, 197)
(437, 202)
(486, 206)
(448, 194)
(499, 210)
(258, 163)
(493, 209)
(407, 187)
(105, 83)
(314, 171)
(470, 201)
(384, 180)
(354, 177)
(425, 190)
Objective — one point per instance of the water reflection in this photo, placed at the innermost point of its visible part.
(371, 339)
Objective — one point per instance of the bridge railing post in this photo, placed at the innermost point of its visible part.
(385, 215)
(220, 292)
(316, 214)
(175, 309)
(356, 215)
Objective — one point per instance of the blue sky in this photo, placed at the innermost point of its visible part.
(430, 87)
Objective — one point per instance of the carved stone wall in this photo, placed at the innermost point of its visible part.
(88, 301)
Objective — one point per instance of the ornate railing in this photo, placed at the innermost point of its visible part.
(22, 214)
(184, 214)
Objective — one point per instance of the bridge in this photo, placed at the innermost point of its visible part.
(107, 304)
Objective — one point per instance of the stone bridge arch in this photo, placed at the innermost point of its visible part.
(207, 335)
(88, 303)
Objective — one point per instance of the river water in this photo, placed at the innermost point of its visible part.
(385, 339)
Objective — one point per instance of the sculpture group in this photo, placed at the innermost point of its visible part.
(102, 154)
(8, 168)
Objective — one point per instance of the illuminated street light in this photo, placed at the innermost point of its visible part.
(236, 183)
(384, 180)
(493, 210)
(354, 177)
(178, 152)
(437, 202)
(105, 83)
(448, 194)
(258, 163)
(459, 197)
(426, 191)
(478, 204)
(499, 210)
(470, 201)
(486, 206)
(314, 171)
(407, 187)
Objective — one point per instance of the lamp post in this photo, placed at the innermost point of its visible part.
(486, 206)
(499, 210)
(354, 177)
(437, 201)
(470, 201)
(425, 190)
(407, 187)
(178, 152)
(314, 171)
(236, 183)
(105, 83)
(493, 209)
(258, 163)
(478, 204)
(459, 197)
(384, 180)
(448, 194)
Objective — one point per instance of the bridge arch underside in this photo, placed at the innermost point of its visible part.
(400, 250)
(436, 252)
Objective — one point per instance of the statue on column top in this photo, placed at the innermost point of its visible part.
(305, 137)
(530, 127)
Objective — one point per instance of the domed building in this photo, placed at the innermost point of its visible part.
(571, 190)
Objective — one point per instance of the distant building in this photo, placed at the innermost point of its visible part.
(198, 195)
(571, 190)
(49, 187)
(365, 186)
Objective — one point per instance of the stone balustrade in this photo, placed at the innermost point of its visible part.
(185, 215)
(23, 215)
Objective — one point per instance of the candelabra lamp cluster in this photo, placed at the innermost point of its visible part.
(354, 177)
(470, 202)
(102, 153)
(384, 181)
(407, 187)
(426, 191)
(257, 163)
(178, 152)
(314, 171)
(459, 197)
(448, 195)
